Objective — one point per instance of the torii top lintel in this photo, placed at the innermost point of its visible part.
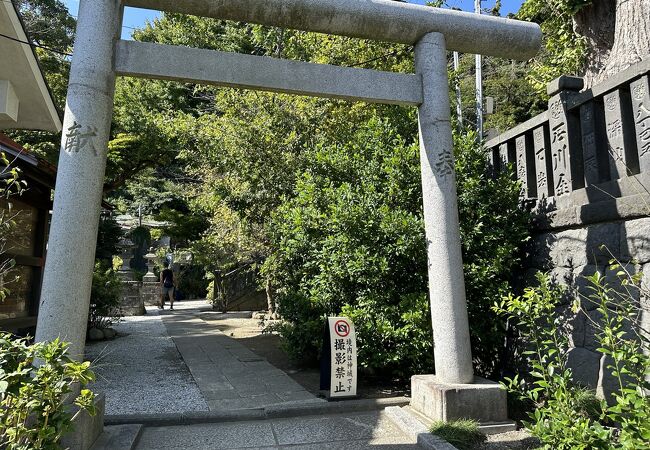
(384, 20)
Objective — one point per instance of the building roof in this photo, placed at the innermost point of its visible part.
(36, 108)
(33, 166)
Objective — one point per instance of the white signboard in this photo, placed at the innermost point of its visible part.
(343, 351)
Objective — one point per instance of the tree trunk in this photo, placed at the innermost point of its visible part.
(617, 33)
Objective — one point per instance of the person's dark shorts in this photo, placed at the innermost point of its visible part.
(167, 290)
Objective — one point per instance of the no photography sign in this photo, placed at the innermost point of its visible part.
(343, 357)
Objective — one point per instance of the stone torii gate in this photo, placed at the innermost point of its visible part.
(99, 56)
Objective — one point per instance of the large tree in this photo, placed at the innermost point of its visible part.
(590, 38)
(617, 34)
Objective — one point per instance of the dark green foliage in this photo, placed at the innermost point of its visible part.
(35, 408)
(192, 282)
(564, 50)
(463, 434)
(109, 234)
(506, 83)
(104, 297)
(352, 236)
(493, 229)
(185, 226)
(352, 241)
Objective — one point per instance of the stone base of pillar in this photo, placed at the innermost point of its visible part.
(150, 293)
(149, 278)
(86, 428)
(125, 275)
(131, 303)
(482, 400)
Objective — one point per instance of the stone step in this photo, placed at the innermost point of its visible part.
(118, 437)
(412, 426)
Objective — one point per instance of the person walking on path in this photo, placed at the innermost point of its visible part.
(167, 286)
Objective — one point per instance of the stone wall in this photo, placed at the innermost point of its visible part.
(571, 254)
(584, 167)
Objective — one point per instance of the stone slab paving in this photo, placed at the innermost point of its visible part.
(363, 430)
(142, 371)
(229, 375)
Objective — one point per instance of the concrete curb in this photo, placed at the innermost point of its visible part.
(118, 437)
(411, 426)
(270, 412)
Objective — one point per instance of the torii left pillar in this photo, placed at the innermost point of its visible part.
(63, 311)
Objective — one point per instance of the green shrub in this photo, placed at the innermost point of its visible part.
(141, 237)
(352, 241)
(192, 282)
(463, 434)
(109, 234)
(34, 413)
(104, 297)
(564, 415)
(493, 229)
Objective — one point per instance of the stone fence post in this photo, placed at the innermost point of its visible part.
(564, 126)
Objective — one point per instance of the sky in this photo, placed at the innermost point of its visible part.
(134, 17)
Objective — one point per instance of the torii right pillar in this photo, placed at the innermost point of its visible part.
(453, 392)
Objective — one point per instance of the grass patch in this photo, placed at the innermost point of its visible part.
(588, 404)
(462, 434)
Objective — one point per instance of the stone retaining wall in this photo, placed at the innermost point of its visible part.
(584, 164)
(571, 254)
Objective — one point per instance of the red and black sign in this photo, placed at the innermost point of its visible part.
(342, 328)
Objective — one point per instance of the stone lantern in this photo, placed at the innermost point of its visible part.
(126, 253)
(151, 260)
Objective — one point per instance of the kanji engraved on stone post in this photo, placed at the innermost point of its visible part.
(618, 147)
(539, 143)
(560, 162)
(556, 109)
(445, 164)
(562, 186)
(80, 138)
(503, 157)
(524, 172)
(521, 160)
(593, 163)
(642, 121)
(641, 115)
(560, 146)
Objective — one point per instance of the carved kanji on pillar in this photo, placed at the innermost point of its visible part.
(526, 165)
(543, 170)
(596, 164)
(621, 146)
(565, 147)
(640, 90)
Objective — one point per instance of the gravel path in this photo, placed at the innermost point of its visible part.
(141, 371)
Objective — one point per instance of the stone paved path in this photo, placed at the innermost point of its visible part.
(229, 375)
(367, 430)
(142, 372)
(173, 362)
